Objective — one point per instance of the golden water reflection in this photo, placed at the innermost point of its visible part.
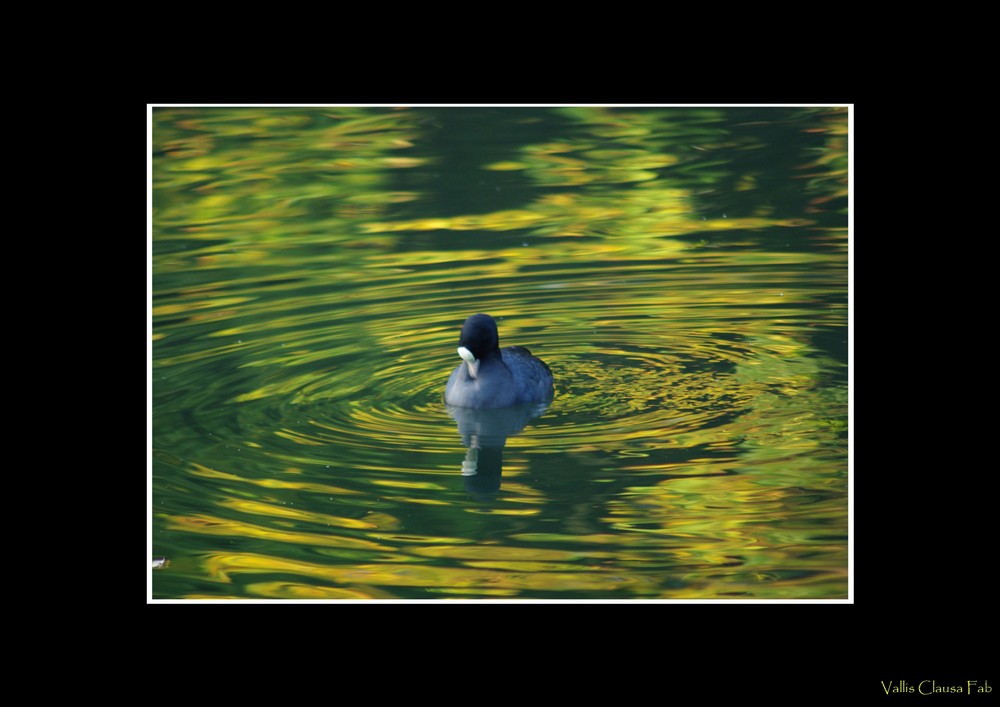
(683, 273)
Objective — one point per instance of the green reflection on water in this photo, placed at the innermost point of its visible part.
(682, 271)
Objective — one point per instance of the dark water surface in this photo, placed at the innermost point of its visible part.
(683, 271)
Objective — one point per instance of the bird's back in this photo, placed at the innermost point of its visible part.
(532, 376)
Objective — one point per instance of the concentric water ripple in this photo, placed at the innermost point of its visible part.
(307, 385)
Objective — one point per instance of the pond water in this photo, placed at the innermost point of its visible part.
(682, 271)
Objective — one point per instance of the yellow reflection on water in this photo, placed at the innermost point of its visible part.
(224, 566)
(298, 590)
(308, 298)
(506, 553)
(203, 524)
(260, 508)
(275, 483)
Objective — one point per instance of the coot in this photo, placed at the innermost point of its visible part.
(491, 377)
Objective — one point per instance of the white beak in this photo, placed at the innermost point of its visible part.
(470, 361)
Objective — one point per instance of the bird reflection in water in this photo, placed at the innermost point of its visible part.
(484, 433)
